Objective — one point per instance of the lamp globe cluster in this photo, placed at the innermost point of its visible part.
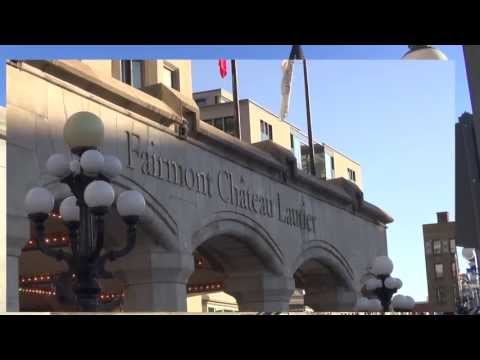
(88, 176)
(380, 287)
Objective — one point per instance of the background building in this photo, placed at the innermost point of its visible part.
(3, 211)
(441, 264)
(260, 124)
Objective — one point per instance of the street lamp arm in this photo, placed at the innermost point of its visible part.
(59, 255)
(131, 240)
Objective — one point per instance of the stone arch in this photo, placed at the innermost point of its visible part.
(326, 276)
(245, 230)
(242, 255)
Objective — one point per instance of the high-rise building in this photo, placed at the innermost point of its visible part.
(257, 124)
(441, 264)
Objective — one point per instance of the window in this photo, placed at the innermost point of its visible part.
(218, 123)
(266, 131)
(437, 247)
(445, 246)
(171, 77)
(453, 247)
(351, 175)
(292, 143)
(428, 247)
(132, 72)
(332, 167)
(454, 269)
(229, 125)
(226, 124)
(438, 271)
(210, 309)
(201, 101)
(441, 298)
(217, 99)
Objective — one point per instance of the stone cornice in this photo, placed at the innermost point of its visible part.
(267, 158)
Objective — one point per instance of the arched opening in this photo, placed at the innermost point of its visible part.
(233, 260)
(323, 282)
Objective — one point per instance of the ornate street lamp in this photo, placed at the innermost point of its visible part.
(382, 287)
(89, 177)
(424, 52)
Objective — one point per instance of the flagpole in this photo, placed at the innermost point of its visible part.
(236, 103)
(298, 53)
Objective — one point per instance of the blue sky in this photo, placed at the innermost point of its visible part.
(394, 117)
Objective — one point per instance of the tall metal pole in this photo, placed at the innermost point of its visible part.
(298, 54)
(236, 103)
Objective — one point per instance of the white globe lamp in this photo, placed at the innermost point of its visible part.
(99, 195)
(39, 201)
(83, 130)
(92, 162)
(130, 203)
(58, 165)
(69, 210)
(424, 52)
(382, 266)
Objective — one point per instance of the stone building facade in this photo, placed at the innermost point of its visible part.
(236, 217)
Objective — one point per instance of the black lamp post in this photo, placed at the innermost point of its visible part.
(89, 177)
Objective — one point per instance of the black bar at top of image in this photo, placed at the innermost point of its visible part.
(275, 29)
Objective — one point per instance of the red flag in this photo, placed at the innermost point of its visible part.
(222, 64)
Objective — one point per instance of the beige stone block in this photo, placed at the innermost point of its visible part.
(21, 127)
(109, 118)
(45, 142)
(103, 68)
(3, 191)
(20, 178)
(57, 117)
(26, 91)
(3, 153)
(73, 103)
(124, 124)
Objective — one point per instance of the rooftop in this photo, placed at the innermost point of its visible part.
(300, 131)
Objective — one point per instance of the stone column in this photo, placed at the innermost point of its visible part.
(261, 292)
(330, 299)
(18, 232)
(156, 281)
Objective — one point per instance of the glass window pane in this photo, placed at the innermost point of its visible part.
(452, 246)
(445, 246)
(218, 123)
(437, 247)
(440, 295)
(428, 247)
(126, 71)
(229, 124)
(137, 74)
(438, 271)
(167, 77)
